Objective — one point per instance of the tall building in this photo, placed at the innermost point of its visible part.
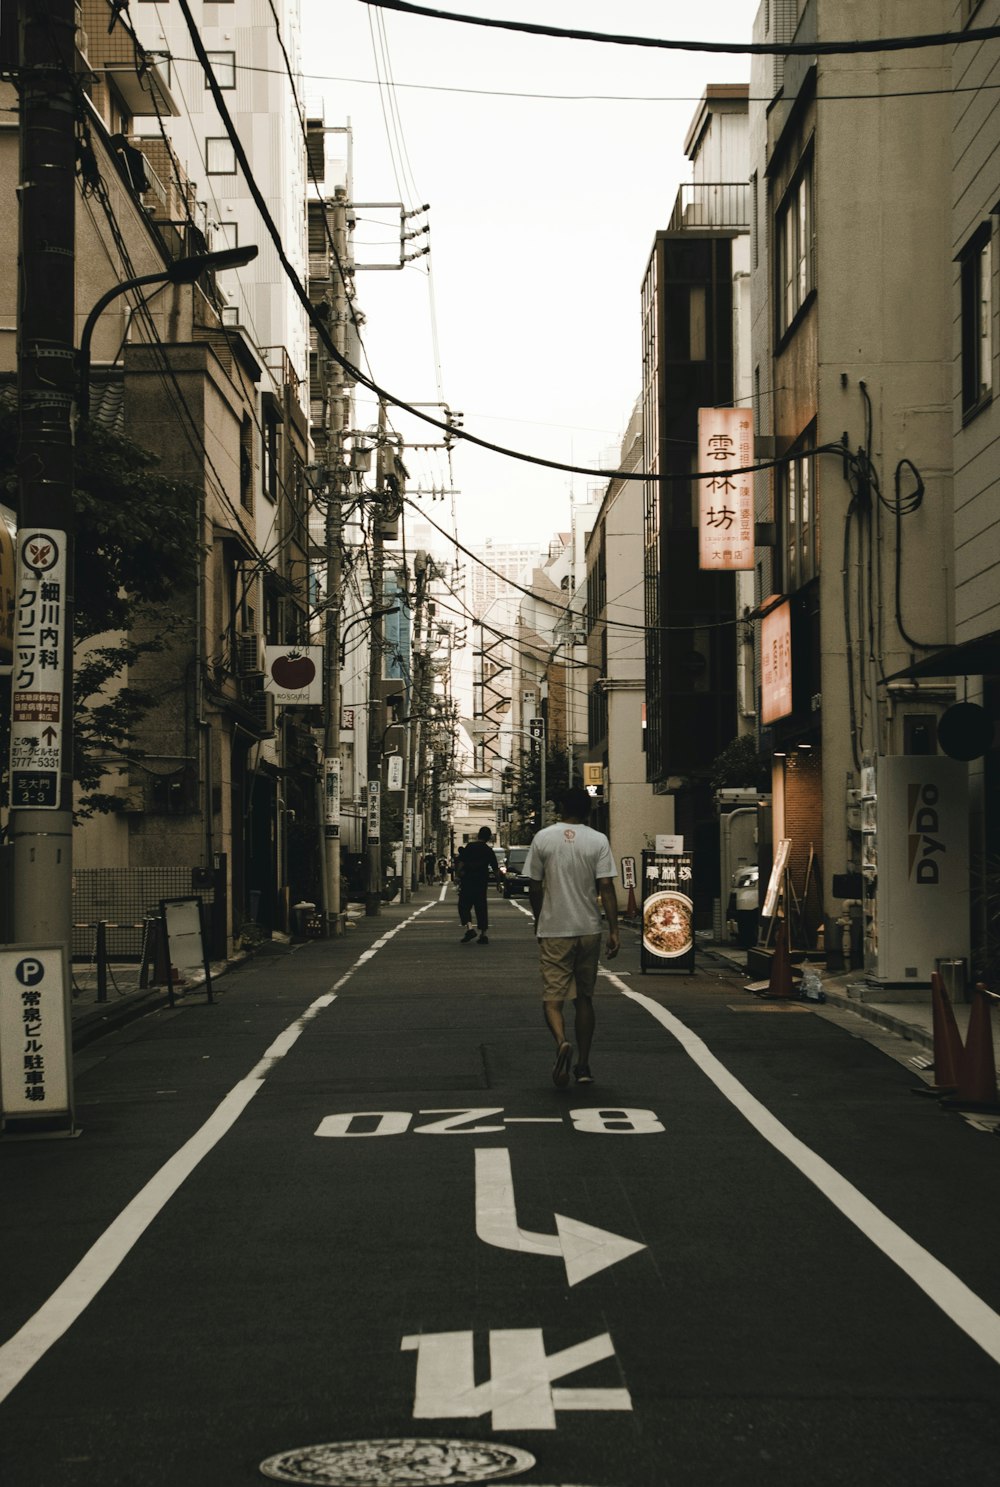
(247, 43)
(692, 323)
(853, 359)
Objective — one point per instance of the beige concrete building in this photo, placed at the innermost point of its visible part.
(628, 810)
(853, 350)
(205, 792)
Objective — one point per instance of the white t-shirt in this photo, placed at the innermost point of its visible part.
(568, 859)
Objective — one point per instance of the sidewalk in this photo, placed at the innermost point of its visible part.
(126, 1000)
(851, 991)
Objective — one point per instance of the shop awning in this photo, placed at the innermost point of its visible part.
(978, 657)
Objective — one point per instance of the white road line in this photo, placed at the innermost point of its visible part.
(967, 1310)
(56, 1315)
(60, 1311)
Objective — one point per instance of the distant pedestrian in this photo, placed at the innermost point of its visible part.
(442, 869)
(570, 866)
(477, 860)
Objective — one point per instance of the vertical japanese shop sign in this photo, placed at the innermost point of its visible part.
(374, 810)
(331, 797)
(667, 912)
(776, 664)
(37, 720)
(725, 499)
(35, 1064)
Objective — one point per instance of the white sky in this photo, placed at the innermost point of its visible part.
(543, 213)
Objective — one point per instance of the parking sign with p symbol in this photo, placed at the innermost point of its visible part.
(29, 971)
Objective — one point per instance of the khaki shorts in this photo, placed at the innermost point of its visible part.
(569, 966)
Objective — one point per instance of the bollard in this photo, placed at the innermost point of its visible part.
(101, 957)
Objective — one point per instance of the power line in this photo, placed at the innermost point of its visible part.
(453, 430)
(565, 608)
(736, 48)
(765, 98)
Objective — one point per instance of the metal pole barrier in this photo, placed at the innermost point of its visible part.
(101, 955)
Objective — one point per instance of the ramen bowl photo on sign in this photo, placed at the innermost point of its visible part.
(666, 923)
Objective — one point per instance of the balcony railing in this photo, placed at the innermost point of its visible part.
(707, 204)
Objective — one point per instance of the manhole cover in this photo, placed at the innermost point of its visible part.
(397, 1463)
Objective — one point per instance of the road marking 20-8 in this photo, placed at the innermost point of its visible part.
(469, 1121)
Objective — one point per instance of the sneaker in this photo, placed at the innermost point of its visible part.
(470, 934)
(560, 1069)
(582, 1074)
(484, 939)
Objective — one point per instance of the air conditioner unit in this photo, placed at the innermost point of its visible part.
(249, 654)
(261, 704)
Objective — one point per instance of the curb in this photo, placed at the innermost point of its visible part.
(912, 1032)
(108, 1017)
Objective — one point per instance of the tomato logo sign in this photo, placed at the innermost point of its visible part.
(293, 671)
(294, 674)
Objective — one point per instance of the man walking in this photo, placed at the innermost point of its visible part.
(570, 865)
(476, 861)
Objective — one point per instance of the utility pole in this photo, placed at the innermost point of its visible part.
(418, 711)
(337, 475)
(41, 774)
(373, 896)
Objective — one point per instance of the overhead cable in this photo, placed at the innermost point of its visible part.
(737, 48)
(316, 321)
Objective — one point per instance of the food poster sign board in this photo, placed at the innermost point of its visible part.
(294, 674)
(36, 1085)
(667, 912)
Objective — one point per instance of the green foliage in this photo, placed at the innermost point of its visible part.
(528, 786)
(136, 540)
(136, 546)
(739, 766)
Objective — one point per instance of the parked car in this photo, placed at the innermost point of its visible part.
(514, 881)
(743, 909)
(500, 853)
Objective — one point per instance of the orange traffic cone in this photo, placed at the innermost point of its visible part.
(631, 908)
(780, 981)
(976, 1084)
(947, 1038)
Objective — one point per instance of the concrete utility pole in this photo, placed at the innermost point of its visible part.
(337, 477)
(373, 896)
(42, 684)
(422, 568)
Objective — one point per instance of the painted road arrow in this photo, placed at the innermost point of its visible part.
(584, 1249)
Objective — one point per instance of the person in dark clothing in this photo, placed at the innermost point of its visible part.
(476, 862)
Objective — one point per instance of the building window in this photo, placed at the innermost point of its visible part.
(976, 263)
(272, 455)
(220, 157)
(754, 221)
(799, 515)
(794, 240)
(246, 463)
(698, 323)
(224, 66)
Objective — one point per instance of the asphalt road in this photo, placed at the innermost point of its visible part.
(345, 1203)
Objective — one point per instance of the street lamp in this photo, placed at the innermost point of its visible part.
(369, 614)
(182, 271)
